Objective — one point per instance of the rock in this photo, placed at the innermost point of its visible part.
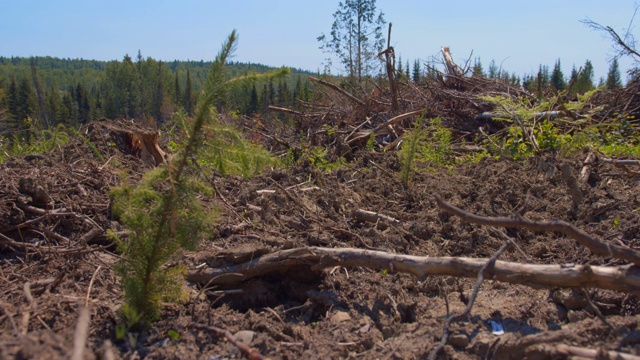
(459, 341)
(340, 316)
(569, 298)
(245, 336)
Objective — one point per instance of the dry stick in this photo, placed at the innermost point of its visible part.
(4, 240)
(584, 353)
(81, 334)
(93, 278)
(398, 118)
(250, 353)
(487, 267)
(596, 246)
(285, 110)
(338, 89)
(624, 278)
(10, 317)
(595, 308)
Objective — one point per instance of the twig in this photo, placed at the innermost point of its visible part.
(274, 314)
(81, 334)
(595, 308)
(487, 267)
(93, 277)
(596, 246)
(249, 353)
(10, 317)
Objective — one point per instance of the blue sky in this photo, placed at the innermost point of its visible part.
(520, 35)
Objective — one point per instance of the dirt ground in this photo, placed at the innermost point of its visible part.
(55, 259)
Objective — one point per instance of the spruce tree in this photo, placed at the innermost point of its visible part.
(477, 67)
(613, 76)
(417, 73)
(26, 107)
(493, 72)
(557, 77)
(584, 81)
(177, 92)
(13, 98)
(252, 108)
(188, 100)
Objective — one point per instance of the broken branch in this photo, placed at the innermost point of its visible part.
(621, 278)
(338, 89)
(596, 246)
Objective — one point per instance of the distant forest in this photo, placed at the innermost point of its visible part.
(41, 92)
(55, 91)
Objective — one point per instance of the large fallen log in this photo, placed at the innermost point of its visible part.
(620, 278)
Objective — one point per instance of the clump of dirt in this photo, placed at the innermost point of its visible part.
(56, 258)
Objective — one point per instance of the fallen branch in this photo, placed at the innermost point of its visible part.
(596, 246)
(338, 89)
(584, 353)
(620, 278)
(398, 118)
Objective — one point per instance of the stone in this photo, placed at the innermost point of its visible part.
(459, 341)
(245, 336)
(340, 316)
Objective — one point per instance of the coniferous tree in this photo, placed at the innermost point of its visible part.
(26, 106)
(584, 81)
(54, 106)
(613, 76)
(13, 98)
(272, 93)
(252, 108)
(177, 92)
(406, 70)
(544, 78)
(297, 93)
(557, 77)
(264, 98)
(493, 70)
(188, 101)
(399, 68)
(283, 93)
(477, 68)
(417, 72)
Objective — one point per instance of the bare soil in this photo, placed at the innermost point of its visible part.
(51, 263)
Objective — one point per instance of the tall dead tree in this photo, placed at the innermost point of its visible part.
(390, 61)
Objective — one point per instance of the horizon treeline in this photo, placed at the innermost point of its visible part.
(45, 91)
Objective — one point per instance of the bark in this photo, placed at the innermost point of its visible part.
(620, 278)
